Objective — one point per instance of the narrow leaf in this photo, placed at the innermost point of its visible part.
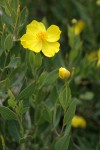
(27, 92)
(70, 112)
(7, 114)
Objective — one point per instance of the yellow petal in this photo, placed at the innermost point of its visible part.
(53, 33)
(31, 42)
(36, 46)
(34, 27)
(99, 54)
(50, 48)
(26, 40)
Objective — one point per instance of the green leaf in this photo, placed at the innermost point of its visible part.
(50, 78)
(8, 42)
(1, 51)
(38, 60)
(11, 94)
(2, 3)
(87, 96)
(71, 37)
(42, 78)
(47, 114)
(54, 95)
(4, 85)
(7, 114)
(24, 110)
(7, 19)
(11, 103)
(23, 17)
(27, 92)
(65, 97)
(70, 112)
(13, 129)
(20, 77)
(35, 59)
(14, 62)
(63, 143)
(25, 139)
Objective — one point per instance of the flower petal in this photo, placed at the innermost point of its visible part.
(34, 27)
(50, 48)
(26, 40)
(31, 42)
(53, 33)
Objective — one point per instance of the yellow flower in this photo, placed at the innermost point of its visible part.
(78, 121)
(63, 73)
(92, 55)
(98, 2)
(98, 54)
(37, 38)
(78, 27)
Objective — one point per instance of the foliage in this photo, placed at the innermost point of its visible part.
(36, 106)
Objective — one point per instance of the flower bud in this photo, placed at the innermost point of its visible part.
(98, 55)
(78, 121)
(78, 27)
(74, 21)
(63, 73)
(98, 2)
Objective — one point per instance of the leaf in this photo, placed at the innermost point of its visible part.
(13, 129)
(50, 78)
(7, 114)
(25, 139)
(7, 19)
(35, 59)
(47, 114)
(20, 78)
(24, 110)
(1, 51)
(11, 103)
(62, 143)
(42, 78)
(8, 43)
(4, 85)
(38, 60)
(14, 62)
(70, 112)
(65, 97)
(2, 3)
(27, 92)
(87, 96)
(23, 17)
(11, 94)
(54, 95)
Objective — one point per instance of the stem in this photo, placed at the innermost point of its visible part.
(53, 119)
(3, 143)
(62, 129)
(7, 4)
(15, 26)
(4, 67)
(21, 126)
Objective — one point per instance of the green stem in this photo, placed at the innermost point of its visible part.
(21, 125)
(3, 143)
(4, 67)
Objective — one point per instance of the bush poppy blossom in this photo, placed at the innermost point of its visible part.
(37, 38)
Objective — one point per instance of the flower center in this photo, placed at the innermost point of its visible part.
(42, 36)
